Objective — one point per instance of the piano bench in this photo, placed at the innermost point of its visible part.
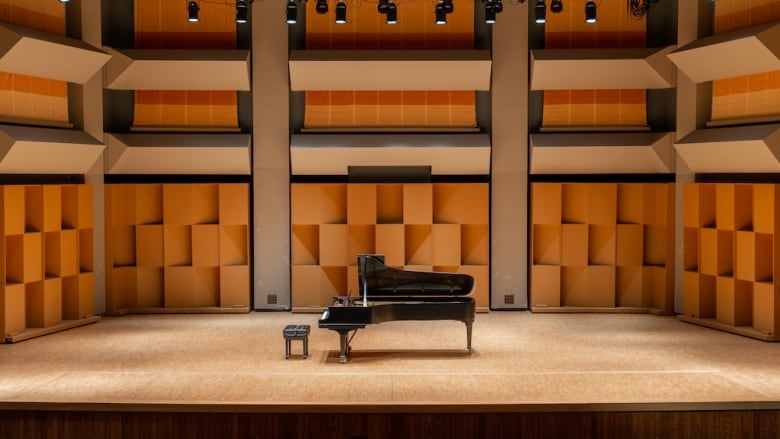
(296, 332)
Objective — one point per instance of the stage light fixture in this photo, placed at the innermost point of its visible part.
(441, 15)
(541, 12)
(192, 12)
(391, 14)
(242, 11)
(322, 7)
(292, 12)
(556, 6)
(341, 13)
(490, 13)
(381, 7)
(590, 12)
(449, 7)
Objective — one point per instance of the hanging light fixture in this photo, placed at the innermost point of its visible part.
(341, 13)
(192, 12)
(541, 12)
(441, 15)
(443, 8)
(242, 11)
(556, 6)
(590, 11)
(381, 7)
(322, 7)
(292, 12)
(391, 14)
(490, 12)
(492, 8)
(64, 1)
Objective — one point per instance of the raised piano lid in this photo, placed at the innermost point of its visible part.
(375, 279)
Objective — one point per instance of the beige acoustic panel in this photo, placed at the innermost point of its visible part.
(33, 150)
(446, 154)
(150, 69)
(753, 148)
(601, 153)
(141, 153)
(45, 55)
(390, 70)
(743, 52)
(566, 69)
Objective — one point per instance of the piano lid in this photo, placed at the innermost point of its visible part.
(375, 279)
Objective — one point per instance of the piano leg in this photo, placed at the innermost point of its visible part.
(344, 345)
(468, 336)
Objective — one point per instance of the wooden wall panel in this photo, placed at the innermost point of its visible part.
(28, 97)
(747, 96)
(615, 29)
(417, 226)
(366, 30)
(163, 25)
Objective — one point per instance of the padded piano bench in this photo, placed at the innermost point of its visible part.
(296, 332)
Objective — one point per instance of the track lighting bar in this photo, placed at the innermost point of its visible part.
(389, 9)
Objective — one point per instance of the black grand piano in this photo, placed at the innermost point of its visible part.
(387, 294)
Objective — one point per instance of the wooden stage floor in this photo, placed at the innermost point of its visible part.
(522, 363)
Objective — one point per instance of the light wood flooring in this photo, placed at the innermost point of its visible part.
(519, 359)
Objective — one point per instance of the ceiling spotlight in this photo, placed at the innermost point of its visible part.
(541, 11)
(292, 12)
(490, 12)
(448, 6)
(192, 11)
(441, 15)
(392, 14)
(590, 12)
(322, 7)
(341, 13)
(556, 6)
(242, 11)
(498, 6)
(381, 7)
(64, 1)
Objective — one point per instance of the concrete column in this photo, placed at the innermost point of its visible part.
(509, 174)
(693, 110)
(85, 105)
(270, 156)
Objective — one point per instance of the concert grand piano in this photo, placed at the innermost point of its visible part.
(388, 294)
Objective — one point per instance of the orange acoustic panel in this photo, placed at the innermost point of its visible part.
(748, 96)
(164, 25)
(615, 29)
(27, 97)
(366, 30)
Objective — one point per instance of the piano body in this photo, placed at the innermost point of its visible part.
(388, 294)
